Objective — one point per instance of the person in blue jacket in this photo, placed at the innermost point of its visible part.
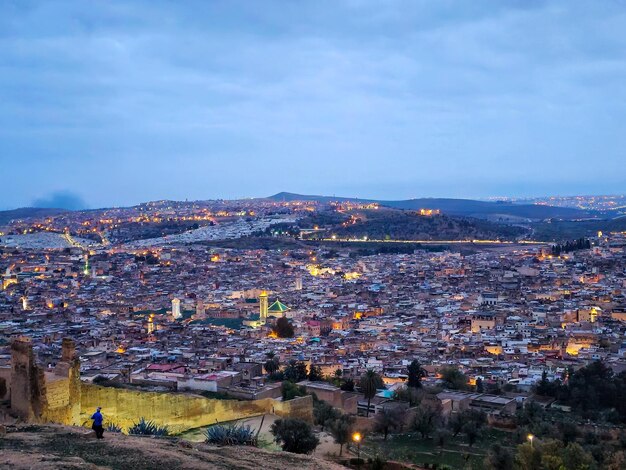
(97, 423)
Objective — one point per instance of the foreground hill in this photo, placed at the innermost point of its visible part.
(60, 447)
(463, 207)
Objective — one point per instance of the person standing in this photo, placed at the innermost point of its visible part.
(97, 423)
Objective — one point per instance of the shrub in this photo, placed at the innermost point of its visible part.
(148, 428)
(231, 435)
(112, 427)
(294, 435)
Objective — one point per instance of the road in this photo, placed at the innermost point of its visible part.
(437, 242)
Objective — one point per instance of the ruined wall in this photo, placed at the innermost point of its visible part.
(40, 396)
(179, 411)
(27, 381)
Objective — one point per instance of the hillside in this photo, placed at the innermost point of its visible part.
(54, 447)
(397, 224)
(464, 207)
(26, 212)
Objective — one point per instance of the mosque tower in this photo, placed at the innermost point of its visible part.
(263, 306)
(176, 309)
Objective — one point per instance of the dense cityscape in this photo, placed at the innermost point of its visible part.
(252, 300)
(313, 235)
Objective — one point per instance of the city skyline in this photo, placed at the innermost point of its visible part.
(129, 102)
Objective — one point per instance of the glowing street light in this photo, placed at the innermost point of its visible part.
(530, 439)
(356, 437)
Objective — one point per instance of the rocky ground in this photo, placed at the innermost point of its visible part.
(61, 447)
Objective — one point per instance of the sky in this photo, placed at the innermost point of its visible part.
(110, 103)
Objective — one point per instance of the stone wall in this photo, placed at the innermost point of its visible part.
(40, 396)
(179, 411)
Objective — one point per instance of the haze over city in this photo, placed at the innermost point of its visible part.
(125, 102)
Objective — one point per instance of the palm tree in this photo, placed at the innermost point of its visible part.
(369, 384)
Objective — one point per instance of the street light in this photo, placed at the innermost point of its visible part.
(530, 438)
(356, 437)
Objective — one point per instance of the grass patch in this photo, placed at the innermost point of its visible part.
(410, 448)
(99, 453)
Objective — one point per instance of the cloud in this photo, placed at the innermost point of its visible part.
(61, 200)
(131, 101)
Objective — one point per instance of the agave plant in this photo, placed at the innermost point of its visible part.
(112, 427)
(231, 435)
(148, 428)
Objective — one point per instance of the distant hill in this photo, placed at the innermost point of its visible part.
(26, 212)
(463, 207)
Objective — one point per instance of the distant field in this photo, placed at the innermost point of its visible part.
(569, 230)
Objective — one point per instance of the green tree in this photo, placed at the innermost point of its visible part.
(453, 378)
(389, 419)
(347, 385)
(295, 371)
(291, 390)
(283, 328)
(411, 395)
(472, 432)
(576, 458)
(315, 374)
(528, 457)
(324, 414)
(272, 365)
(427, 417)
(498, 458)
(294, 435)
(341, 430)
(369, 385)
(416, 374)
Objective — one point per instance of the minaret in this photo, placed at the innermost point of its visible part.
(151, 325)
(24, 303)
(299, 282)
(176, 309)
(263, 304)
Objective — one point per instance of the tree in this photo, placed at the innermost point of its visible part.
(416, 374)
(617, 461)
(456, 423)
(441, 436)
(369, 385)
(426, 418)
(411, 395)
(460, 420)
(294, 435)
(290, 390)
(315, 374)
(389, 419)
(324, 414)
(295, 371)
(347, 385)
(272, 365)
(528, 457)
(576, 458)
(472, 432)
(341, 430)
(498, 458)
(283, 328)
(453, 378)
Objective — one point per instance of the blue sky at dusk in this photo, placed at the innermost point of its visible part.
(119, 102)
